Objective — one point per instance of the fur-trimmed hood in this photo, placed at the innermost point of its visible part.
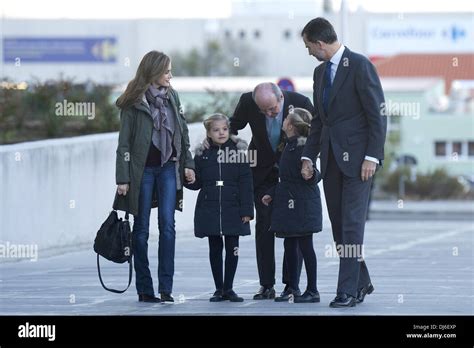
(301, 141)
(240, 143)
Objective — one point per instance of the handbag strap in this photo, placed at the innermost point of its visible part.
(130, 269)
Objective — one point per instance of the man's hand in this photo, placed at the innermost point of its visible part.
(206, 144)
(189, 175)
(267, 199)
(368, 170)
(307, 170)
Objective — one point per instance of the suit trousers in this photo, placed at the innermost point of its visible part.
(347, 203)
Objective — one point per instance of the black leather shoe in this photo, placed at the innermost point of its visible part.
(148, 298)
(231, 296)
(286, 294)
(217, 297)
(366, 290)
(343, 301)
(165, 297)
(297, 292)
(308, 297)
(265, 293)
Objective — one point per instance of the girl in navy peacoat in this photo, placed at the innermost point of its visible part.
(296, 206)
(225, 202)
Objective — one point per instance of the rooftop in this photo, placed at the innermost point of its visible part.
(450, 67)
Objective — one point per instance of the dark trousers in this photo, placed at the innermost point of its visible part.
(265, 241)
(216, 246)
(305, 245)
(347, 202)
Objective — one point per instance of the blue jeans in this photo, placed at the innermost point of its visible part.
(163, 181)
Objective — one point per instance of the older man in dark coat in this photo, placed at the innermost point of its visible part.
(264, 110)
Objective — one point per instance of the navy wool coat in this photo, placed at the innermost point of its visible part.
(224, 179)
(296, 204)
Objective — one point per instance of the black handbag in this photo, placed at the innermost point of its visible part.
(114, 242)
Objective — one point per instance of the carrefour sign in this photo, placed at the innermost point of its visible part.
(419, 36)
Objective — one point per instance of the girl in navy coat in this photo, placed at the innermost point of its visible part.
(296, 206)
(225, 202)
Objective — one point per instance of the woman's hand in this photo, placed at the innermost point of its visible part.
(267, 199)
(189, 175)
(246, 219)
(123, 189)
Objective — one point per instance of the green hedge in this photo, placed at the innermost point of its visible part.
(433, 185)
(31, 113)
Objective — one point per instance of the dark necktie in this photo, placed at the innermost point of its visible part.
(327, 85)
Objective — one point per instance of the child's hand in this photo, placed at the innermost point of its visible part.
(267, 199)
(190, 176)
(246, 219)
(307, 170)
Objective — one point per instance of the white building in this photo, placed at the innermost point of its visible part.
(109, 50)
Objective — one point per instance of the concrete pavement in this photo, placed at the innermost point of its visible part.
(417, 268)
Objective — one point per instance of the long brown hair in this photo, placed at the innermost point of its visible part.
(153, 65)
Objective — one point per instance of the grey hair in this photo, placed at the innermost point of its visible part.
(215, 117)
(276, 91)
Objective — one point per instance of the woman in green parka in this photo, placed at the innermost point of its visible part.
(153, 160)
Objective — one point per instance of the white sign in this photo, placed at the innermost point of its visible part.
(388, 37)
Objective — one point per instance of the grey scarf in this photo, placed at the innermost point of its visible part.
(162, 132)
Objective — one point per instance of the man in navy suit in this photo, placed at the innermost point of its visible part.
(348, 132)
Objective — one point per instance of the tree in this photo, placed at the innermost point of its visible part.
(229, 58)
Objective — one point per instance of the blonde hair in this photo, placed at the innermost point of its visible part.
(300, 119)
(213, 118)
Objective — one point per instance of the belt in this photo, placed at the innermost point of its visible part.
(220, 183)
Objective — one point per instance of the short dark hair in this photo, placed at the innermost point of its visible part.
(319, 29)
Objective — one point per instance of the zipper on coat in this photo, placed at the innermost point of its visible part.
(220, 193)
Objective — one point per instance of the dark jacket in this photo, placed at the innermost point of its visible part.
(136, 126)
(220, 206)
(247, 112)
(296, 204)
(356, 123)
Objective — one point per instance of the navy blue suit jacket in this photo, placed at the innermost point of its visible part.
(355, 123)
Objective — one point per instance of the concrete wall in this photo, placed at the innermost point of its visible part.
(56, 193)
